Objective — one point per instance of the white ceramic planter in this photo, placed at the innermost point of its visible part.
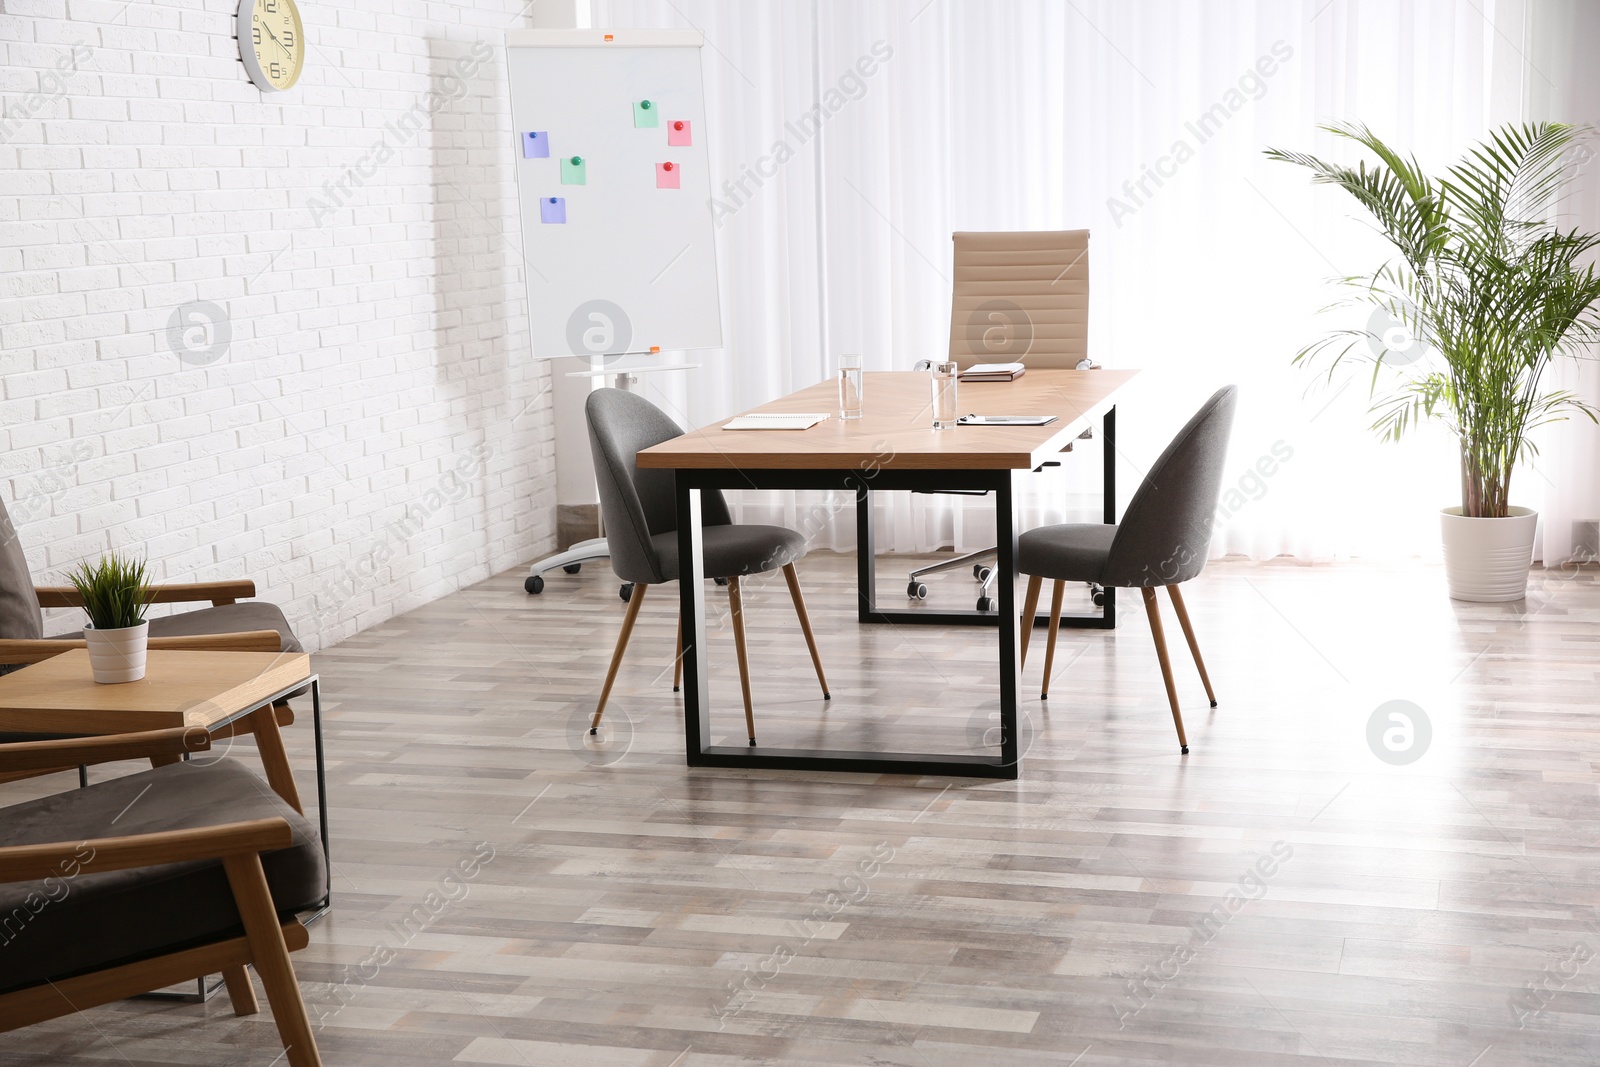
(118, 655)
(1487, 560)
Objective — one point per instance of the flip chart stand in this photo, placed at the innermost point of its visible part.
(595, 548)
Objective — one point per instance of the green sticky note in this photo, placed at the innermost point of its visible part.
(574, 170)
(645, 114)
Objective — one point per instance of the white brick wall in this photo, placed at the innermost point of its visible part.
(375, 434)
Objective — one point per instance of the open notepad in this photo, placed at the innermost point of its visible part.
(776, 420)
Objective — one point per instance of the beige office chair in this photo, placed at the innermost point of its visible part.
(1018, 297)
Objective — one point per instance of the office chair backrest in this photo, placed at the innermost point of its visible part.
(1021, 297)
(20, 616)
(1164, 535)
(636, 504)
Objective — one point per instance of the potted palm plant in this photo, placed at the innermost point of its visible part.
(115, 592)
(1485, 292)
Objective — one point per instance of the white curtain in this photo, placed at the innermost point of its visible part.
(1144, 121)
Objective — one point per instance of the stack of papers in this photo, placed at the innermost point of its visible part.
(993, 372)
(776, 420)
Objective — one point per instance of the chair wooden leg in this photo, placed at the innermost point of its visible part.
(1030, 604)
(1056, 593)
(1152, 608)
(274, 760)
(677, 664)
(240, 991)
(1194, 646)
(793, 579)
(634, 601)
(271, 958)
(737, 609)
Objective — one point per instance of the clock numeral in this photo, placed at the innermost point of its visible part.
(255, 34)
(270, 7)
(275, 71)
(288, 38)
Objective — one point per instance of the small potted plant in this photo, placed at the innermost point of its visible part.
(115, 592)
(1485, 292)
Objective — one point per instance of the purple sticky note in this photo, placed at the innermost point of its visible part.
(667, 176)
(536, 145)
(679, 133)
(553, 209)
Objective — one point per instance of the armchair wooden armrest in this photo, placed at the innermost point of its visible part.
(33, 651)
(219, 593)
(85, 751)
(21, 863)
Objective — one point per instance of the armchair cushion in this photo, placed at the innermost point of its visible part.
(60, 927)
(227, 619)
(20, 616)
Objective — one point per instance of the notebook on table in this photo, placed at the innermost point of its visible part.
(776, 420)
(993, 372)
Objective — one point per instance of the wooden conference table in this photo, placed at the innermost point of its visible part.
(893, 447)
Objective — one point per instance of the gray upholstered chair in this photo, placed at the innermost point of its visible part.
(145, 881)
(1161, 541)
(641, 517)
(22, 637)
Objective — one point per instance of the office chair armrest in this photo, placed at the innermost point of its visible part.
(26, 650)
(219, 593)
(84, 751)
(22, 863)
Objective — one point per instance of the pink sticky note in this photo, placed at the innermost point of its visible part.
(678, 133)
(666, 176)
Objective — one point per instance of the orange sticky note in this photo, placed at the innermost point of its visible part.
(679, 133)
(666, 176)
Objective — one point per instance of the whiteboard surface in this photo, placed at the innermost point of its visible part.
(634, 266)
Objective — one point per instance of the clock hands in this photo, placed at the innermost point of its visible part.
(280, 44)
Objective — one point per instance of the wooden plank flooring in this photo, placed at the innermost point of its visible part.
(507, 894)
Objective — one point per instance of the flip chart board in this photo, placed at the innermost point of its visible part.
(614, 185)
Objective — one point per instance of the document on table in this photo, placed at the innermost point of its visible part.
(777, 420)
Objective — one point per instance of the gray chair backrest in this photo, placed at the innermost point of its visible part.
(20, 616)
(637, 504)
(1021, 296)
(1164, 534)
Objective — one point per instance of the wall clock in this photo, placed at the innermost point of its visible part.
(272, 44)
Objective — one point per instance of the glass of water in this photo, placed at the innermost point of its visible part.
(850, 386)
(943, 376)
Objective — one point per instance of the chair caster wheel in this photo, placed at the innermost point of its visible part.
(1185, 750)
(573, 568)
(980, 573)
(625, 591)
(534, 584)
(752, 742)
(985, 603)
(594, 731)
(827, 696)
(917, 591)
(720, 581)
(675, 689)
(1099, 597)
(1213, 703)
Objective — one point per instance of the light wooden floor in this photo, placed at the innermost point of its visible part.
(1280, 896)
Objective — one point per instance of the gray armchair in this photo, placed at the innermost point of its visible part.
(205, 873)
(1161, 541)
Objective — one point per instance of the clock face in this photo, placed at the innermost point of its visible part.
(271, 43)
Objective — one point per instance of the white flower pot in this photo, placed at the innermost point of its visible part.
(1487, 560)
(118, 655)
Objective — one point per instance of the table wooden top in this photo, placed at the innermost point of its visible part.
(896, 430)
(60, 695)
